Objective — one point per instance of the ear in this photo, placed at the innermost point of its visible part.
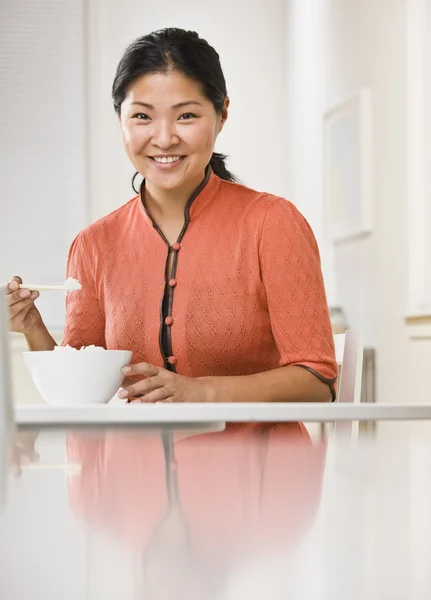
(225, 110)
(224, 113)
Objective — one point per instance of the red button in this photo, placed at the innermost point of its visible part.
(172, 360)
(176, 246)
(169, 320)
(172, 282)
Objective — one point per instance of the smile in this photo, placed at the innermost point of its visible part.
(166, 159)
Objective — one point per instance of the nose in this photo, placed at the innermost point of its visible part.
(164, 135)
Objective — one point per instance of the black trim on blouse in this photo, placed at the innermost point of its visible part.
(166, 306)
(330, 382)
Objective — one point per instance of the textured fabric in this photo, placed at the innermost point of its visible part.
(249, 295)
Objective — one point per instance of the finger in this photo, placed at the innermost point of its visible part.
(128, 381)
(14, 284)
(20, 308)
(161, 394)
(141, 369)
(141, 387)
(20, 295)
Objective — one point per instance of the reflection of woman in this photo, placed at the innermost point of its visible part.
(216, 288)
(239, 494)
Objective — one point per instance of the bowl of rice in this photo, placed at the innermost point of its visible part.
(68, 376)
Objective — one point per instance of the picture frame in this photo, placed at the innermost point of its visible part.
(418, 134)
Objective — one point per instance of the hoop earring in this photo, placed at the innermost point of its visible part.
(133, 183)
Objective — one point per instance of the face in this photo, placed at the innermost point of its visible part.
(169, 130)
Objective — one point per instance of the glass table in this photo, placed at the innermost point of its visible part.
(214, 502)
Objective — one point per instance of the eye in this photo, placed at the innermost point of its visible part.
(141, 117)
(188, 116)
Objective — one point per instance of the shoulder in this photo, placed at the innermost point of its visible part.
(270, 211)
(266, 204)
(109, 225)
(285, 230)
(283, 214)
(245, 196)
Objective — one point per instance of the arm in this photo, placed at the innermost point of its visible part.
(40, 339)
(286, 384)
(25, 318)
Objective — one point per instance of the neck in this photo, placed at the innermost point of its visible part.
(169, 204)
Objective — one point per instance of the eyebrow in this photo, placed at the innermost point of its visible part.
(175, 106)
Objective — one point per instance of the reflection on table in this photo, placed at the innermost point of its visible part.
(249, 512)
(195, 507)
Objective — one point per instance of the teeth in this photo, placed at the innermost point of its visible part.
(166, 159)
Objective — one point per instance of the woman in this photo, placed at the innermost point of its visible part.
(215, 287)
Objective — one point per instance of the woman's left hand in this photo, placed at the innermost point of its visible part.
(161, 385)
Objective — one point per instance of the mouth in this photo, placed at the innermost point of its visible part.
(167, 160)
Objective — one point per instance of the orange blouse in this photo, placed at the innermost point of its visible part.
(245, 293)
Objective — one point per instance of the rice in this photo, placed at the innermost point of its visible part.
(72, 284)
(91, 348)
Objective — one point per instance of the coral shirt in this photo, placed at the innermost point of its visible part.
(245, 293)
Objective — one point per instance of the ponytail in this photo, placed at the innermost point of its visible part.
(218, 166)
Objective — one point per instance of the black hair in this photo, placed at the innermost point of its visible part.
(175, 50)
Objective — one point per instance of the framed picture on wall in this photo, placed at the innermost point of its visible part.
(347, 168)
(418, 89)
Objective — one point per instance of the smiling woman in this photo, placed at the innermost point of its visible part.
(199, 99)
(216, 288)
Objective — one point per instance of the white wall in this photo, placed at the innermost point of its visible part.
(248, 35)
(335, 47)
(303, 106)
(42, 142)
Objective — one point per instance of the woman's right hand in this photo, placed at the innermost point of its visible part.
(24, 317)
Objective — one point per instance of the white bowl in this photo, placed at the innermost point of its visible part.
(67, 377)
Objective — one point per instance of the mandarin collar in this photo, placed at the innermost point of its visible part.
(197, 202)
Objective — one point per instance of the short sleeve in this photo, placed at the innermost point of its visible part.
(85, 321)
(292, 276)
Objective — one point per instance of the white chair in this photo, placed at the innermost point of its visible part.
(349, 352)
